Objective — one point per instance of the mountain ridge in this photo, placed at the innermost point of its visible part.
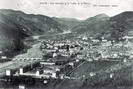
(15, 26)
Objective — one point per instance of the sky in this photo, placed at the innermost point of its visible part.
(79, 11)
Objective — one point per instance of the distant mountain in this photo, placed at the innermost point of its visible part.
(68, 22)
(33, 24)
(16, 25)
(93, 26)
(110, 27)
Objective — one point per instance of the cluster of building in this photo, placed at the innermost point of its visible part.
(79, 48)
(60, 48)
(52, 69)
(96, 49)
(61, 57)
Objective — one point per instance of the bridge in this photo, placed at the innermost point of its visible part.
(15, 64)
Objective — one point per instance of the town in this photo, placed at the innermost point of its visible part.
(82, 58)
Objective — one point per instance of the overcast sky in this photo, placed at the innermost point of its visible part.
(68, 11)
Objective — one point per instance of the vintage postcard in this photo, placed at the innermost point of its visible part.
(66, 44)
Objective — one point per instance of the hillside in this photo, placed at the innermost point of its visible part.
(121, 25)
(16, 26)
(93, 26)
(68, 22)
(33, 24)
(110, 27)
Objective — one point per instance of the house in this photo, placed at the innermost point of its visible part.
(104, 55)
(108, 43)
(84, 38)
(49, 46)
(92, 74)
(59, 44)
(62, 50)
(65, 54)
(44, 63)
(1, 52)
(50, 73)
(127, 38)
(104, 40)
(56, 48)
(3, 57)
(21, 86)
(54, 55)
(80, 56)
(95, 40)
(56, 67)
(9, 72)
(52, 70)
